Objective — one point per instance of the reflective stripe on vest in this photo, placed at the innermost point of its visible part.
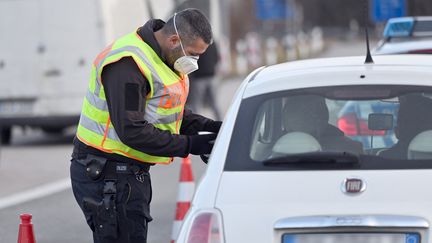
(164, 104)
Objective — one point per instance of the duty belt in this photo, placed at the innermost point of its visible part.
(96, 166)
(126, 168)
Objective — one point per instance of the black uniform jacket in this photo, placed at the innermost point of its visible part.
(125, 90)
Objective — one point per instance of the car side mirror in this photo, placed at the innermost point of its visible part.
(380, 121)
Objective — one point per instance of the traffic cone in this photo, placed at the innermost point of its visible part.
(184, 196)
(25, 233)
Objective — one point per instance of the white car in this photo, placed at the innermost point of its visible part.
(406, 35)
(282, 172)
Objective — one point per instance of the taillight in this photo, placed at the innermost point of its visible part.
(348, 124)
(206, 227)
(352, 126)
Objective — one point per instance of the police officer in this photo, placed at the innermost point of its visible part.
(133, 117)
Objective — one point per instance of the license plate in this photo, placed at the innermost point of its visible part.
(352, 238)
(15, 108)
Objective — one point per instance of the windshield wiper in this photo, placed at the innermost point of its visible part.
(315, 158)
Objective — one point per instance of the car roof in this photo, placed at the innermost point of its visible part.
(386, 69)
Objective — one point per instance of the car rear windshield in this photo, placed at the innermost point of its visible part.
(331, 128)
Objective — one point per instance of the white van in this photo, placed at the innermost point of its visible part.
(46, 51)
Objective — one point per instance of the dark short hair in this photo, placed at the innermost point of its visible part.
(191, 23)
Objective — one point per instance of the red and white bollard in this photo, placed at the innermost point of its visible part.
(184, 197)
(25, 233)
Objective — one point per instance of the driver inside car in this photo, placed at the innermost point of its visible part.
(309, 114)
(414, 117)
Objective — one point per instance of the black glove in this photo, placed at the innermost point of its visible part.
(201, 144)
(213, 126)
(205, 157)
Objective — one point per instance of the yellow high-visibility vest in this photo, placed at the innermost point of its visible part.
(163, 108)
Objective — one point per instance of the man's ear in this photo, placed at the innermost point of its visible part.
(173, 41)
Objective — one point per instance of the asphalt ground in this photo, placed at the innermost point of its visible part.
(26, 167)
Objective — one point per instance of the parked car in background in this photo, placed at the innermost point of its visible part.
(282, 169)
(353, 121)
(406, 35)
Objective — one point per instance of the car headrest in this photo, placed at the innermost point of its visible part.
(295, 143)
(420, 146)
(305, 113)
(414, 116)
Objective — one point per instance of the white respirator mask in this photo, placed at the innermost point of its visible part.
(185, 64)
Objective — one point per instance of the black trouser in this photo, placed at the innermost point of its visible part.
(132, 204)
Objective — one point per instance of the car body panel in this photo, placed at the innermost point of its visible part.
(208, 188)
(292, 194)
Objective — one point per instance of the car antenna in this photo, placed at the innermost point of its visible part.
(368, 53)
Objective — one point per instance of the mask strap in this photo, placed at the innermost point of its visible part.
(175, 27)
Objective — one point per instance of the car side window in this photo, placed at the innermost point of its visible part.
(266, 121)
(267, 128)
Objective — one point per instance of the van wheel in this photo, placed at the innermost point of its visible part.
(6, 135)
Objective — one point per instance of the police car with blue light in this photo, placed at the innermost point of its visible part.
(284, 168)
(406, 35)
